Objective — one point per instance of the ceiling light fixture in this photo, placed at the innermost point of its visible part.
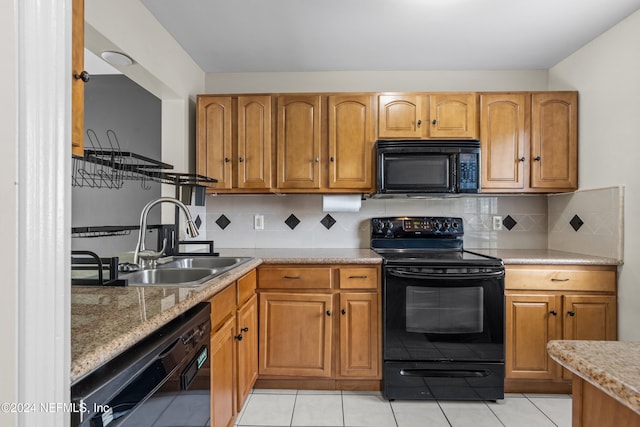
(116, 58)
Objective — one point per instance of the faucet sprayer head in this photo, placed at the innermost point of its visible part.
(192, 230)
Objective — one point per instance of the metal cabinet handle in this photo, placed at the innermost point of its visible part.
(522, 159)
(317, 159)
(559, 280)
(536, 158)
(84, 76)
(245, 329)
(434, 122)
(226, 160)
(343, 312)
(358, 277)
(328, 312)
(419, 123)
(238, 337)
(240, 159)
(292, 277)
(331, 159)
(571, 313)
(553, 312)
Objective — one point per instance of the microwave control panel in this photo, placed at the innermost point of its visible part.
(469, 176)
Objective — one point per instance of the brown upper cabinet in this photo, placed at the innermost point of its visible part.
(351, 142)
(77, 82)
(325, 142)
(529, 142)
(214, 152)
(400, 116)
(299, 141)
(453, 115)
(254, 142)
(234, 141)
(437, 115)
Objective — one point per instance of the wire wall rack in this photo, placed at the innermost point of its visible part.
(107, 166)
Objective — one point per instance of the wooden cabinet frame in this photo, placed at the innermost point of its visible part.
(324, 333)
(546, 302)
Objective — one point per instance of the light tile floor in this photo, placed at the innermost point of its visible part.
(281, 408)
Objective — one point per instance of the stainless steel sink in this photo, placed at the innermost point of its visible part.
(184, 271)
(204, 262)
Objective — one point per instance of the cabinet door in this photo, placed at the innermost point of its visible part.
(532, 320)
(254, 142)
(299, 141)
(295, 334)
(503, 137)
(554, 140)
(247, 349)
(77, 85)
(400, 116)
(223, 408)
(351, 142)
(214, 139)
(589, 317)
(359, 335)
(453, 115)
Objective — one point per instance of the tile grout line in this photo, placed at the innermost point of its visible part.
(540, 409)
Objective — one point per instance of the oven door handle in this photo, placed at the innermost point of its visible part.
(444, 276)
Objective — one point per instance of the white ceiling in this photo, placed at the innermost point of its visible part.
(384, 35)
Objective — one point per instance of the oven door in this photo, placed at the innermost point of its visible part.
(444, 314)
(443, 333)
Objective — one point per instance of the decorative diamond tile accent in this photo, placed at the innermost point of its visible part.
(576, 222)
(328, 221)
(292, 221)
(223, 221)
(509, 222)
(198, 222)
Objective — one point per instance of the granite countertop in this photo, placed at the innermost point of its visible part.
(611, 366)
(545, 256)
(308, 255)
(105, 321)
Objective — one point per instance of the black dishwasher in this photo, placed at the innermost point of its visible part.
(161, 381)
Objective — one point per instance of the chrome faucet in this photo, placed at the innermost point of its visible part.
(146, 254)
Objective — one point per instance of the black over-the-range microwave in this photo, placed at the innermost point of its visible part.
(427, 167)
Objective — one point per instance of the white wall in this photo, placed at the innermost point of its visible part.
(8, 213)
(606, 72)
(161, 66)
(376, 81)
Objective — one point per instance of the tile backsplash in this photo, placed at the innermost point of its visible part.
(588, 221)
(298, 220)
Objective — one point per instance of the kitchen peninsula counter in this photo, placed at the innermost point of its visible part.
(606, 382)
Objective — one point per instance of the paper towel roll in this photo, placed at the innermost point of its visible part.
(341, 203)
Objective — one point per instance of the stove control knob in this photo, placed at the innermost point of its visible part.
(437, 225)
(445, 225)
(455, 225)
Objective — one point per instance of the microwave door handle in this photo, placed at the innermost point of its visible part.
(444, 276)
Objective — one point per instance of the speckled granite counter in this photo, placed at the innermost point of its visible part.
(308, 255)
(107, 321)
(611, 366)
(545, 256)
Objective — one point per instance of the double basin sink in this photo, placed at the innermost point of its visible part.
(184, 271)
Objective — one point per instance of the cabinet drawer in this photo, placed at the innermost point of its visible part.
(359, 278)
(223, 305)
(246, 286)
(295, 278)
(561, 278)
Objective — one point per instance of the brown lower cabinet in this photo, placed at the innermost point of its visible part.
(234, 348)
(544, 303)
(319, 327)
